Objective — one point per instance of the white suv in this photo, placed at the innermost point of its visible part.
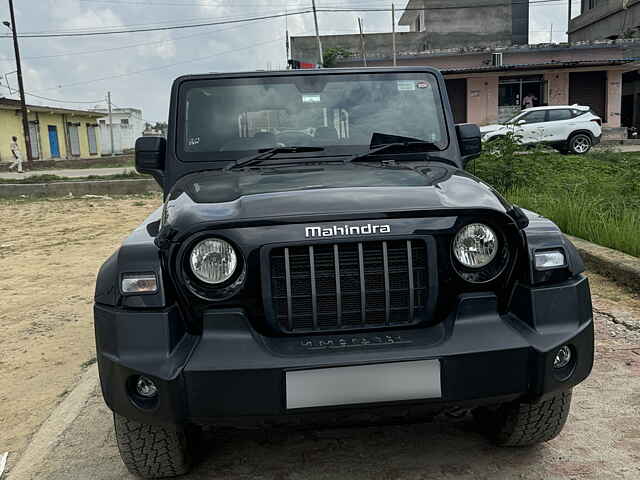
(569, 129)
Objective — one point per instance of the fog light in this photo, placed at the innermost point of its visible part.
(563, 357)
(146, 388)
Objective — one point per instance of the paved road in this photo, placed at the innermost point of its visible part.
(601, 439)
(72, 173)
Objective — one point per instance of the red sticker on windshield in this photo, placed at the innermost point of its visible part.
(422, 84)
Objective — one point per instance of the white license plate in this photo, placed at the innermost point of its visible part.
(382, 382)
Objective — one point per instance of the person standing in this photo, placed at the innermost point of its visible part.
(529, 100)
(17, 156)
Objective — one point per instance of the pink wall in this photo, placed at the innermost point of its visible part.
(558, 87)
(482, 96)
(482, 100)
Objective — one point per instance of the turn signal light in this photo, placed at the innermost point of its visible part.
(139, 283)
(550, 259)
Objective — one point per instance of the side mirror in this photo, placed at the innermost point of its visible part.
(470, 140)
(521, 122)
(150, 154)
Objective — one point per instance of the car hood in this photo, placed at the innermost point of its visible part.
(491, 128)
(321, 192)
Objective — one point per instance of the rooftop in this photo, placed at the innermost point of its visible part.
(12, 104)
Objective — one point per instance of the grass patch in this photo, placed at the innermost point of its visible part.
(55, 178)
(594, 196)
(103, 162)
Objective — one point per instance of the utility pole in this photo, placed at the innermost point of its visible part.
(568, 19)
(551, 33)
(315, 20)
(110, 123)
(393, 33)
(286, 34)
(23, 103)
(364, 55)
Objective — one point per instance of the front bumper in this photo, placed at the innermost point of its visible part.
(231, 371)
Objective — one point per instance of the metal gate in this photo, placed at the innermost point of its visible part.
(93, 143)
(74, 140)
(35, 140)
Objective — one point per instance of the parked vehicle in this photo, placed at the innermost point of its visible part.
(569, 129)
(357, 270)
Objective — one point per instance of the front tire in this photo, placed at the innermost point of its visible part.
(520, 424)
(153, 451)
(580, 143)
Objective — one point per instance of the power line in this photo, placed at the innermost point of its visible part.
(156, 29)
(161, 67)
(29, 94)
(123, 47)
(174, 4)
(94, 102)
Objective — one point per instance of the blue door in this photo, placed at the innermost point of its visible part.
(53, 141)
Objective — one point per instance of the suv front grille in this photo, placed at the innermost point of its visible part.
(336, 286)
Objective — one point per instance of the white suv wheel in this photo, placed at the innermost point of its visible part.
(580, 144)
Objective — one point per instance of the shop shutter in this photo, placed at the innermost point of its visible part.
(457, 90)
(590, 89)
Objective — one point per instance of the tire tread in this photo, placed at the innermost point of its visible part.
(521, 424)
(152, 451)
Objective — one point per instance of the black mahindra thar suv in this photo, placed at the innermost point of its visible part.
(322, 251)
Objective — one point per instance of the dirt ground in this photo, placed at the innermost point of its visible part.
(50, 252)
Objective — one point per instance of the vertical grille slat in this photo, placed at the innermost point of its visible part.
(387, 295)
(363, 295)
(410, 276)
(287, 270)
(314, 294)
(336, 266)
(348, 285)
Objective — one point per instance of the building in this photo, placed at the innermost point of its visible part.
(614, 19)
(55, 133)
(128, 125)
(498, 23)
(433, 25)
(487, 84)
(605, 19)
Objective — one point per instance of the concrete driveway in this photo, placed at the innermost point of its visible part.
(601, 439)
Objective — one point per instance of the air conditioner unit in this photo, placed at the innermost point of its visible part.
(496, 59)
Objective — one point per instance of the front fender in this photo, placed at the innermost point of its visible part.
(137, 254)
(543, 234)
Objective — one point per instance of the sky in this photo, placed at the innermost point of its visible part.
(138, 68)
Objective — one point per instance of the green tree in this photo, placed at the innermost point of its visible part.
(332, 55)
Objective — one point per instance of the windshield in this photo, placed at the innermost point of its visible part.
(223, 119)
(514, 119)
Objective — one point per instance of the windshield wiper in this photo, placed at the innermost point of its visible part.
(385, 141)
(269, 153)
(388, 146)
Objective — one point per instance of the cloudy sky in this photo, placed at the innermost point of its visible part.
(138, 68)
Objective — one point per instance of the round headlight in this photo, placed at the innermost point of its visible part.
(213, 261)
(475, 245)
